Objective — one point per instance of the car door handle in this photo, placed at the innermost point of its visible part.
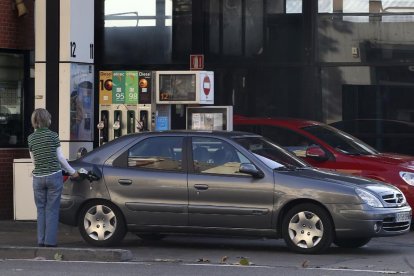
(125, 181)
(201, 186)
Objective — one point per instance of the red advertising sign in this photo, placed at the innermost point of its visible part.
(196, 62)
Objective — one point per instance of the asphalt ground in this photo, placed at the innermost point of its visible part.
(18, 241)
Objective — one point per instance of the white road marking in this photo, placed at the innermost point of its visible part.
(220, 265)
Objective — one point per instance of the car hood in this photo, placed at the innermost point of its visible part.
(343, 179)
(404, 161)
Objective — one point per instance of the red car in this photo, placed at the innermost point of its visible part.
(326, 147)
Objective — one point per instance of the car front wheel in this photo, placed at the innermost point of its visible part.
(101, 223)
(307, 228)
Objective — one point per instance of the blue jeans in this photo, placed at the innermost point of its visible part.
(47, 193)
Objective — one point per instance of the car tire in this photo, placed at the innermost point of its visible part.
(101, 223)
(307, 228)
(151, 236)
(351, 243)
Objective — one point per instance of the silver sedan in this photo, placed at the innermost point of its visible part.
(230, 183)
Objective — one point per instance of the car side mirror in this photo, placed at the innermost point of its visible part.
(251, 169)
(316, 153)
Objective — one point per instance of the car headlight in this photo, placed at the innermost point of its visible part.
(369, 198)
(408, 177)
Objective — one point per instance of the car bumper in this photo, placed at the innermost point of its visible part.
(370, 222)
(69, 207)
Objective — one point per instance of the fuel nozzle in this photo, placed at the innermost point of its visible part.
(89, 175)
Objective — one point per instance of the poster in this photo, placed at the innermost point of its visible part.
(207, 121)
(81, 102)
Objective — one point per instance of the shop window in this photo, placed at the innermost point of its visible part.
(11, 100)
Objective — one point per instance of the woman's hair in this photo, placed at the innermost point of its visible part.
(41, 118)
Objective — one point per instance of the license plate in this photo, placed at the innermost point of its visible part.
(404, 216)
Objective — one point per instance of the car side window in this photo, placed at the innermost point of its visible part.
(214, 156)
(290, 140)
(160, 153)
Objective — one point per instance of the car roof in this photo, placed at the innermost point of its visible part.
(218, 133)
(292, 122)
(125, 140)
(375, 120)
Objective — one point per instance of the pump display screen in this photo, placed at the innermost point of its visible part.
(177, 87)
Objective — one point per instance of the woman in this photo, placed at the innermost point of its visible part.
(46, 154)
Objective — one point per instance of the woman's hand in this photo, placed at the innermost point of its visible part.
(74, 176)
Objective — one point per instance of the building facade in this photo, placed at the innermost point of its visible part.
(327, 60)
(16, 92)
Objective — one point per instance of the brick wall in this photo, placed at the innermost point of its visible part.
(16, 32)
(6, 179)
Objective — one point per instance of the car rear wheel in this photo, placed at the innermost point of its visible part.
(307, 228)
(101, 223)
(351, 243)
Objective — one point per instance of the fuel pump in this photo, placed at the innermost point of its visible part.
(144, 117)
(117, 125)
(131, 121)
(103, 127)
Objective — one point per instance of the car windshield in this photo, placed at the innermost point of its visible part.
(271, 154)
(340, 141)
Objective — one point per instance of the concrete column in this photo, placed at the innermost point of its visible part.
(76, 75)
(40, 54)
(64, 69)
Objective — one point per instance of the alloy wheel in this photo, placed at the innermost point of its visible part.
(305, 229)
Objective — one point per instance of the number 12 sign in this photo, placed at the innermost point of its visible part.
(77, 31)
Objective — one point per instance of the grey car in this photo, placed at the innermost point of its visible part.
(231, 183)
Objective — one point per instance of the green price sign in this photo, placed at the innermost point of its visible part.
(118, 88)
(131, 87)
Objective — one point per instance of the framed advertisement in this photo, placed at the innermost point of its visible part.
(81, 102)
(210, 118)
(184, 87)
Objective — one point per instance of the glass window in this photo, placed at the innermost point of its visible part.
(215, 156)
(340, 141)
(232, 27)
(254, 27)
(241, 31)
(271, 154)
(294, 6)
(141, 28)
(159, 153)
(11, 100)
(274, 7)
(366, 6)
(290, 140)
(130, 13)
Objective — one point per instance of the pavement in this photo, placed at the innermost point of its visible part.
(18, 241)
